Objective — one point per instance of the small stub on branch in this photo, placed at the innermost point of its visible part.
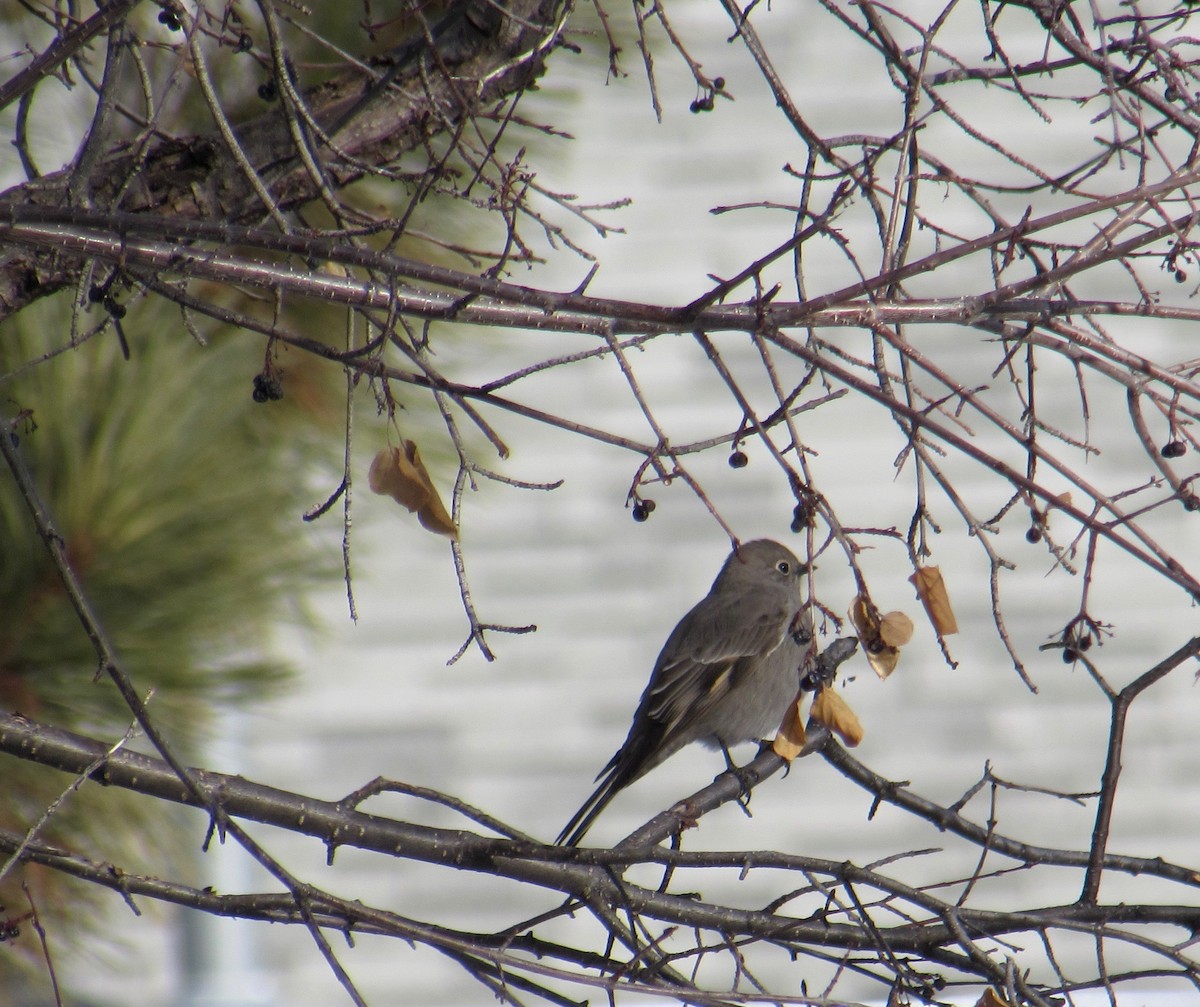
(828, 707)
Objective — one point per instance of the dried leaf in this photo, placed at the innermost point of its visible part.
(882, 655)
(933, 594)
(895, 629)
(393, 475)
(435, 519)
(884, 661)
(834, 712)
(991, 998)
(863, 617)
(402, 475)
(789, 739)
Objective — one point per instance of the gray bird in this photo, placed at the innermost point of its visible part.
(725, 675)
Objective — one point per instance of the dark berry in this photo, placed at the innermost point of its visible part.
(1174, 449)
(1069, 655)
(642, 509)
(1034, 534)
(266, 388)
(802, 517)
(719, 84)
(738, 460)
(695, 106)
(170, 20)
(1084, 643)
(96, 293)
(244, 43)
(266, 90)
(113, 308)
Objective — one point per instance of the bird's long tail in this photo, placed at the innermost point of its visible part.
(642, 751)
(612, 784)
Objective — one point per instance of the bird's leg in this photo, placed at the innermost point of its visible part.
(732, 767)
(768, 745)
(669, 869)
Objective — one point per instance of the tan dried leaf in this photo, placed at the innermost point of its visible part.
(834, 712)
(884, 661)
(991, 998)
(868, 624)
(895, 629)
(864, 618)
(434, 517)
(393, 475)
(790, 738)
(400, 474)
(931, 589)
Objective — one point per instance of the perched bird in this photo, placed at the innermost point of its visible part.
(725, 675)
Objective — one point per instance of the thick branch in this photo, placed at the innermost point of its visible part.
(363, 123)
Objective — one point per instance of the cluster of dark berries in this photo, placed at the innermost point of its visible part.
(707, 101)
(642, 509)
(1174, 449)
(1077, 639)
(100, 294)
(803, 516)
(267, 388)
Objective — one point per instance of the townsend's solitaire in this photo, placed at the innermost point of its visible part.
(725, 675)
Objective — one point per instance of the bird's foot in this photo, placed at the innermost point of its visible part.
(745, 780)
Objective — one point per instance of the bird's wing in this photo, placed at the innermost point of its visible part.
(698, 662)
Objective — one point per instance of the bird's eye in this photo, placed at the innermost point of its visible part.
(783, 566)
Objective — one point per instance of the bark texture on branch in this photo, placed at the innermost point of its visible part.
(350, 124)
